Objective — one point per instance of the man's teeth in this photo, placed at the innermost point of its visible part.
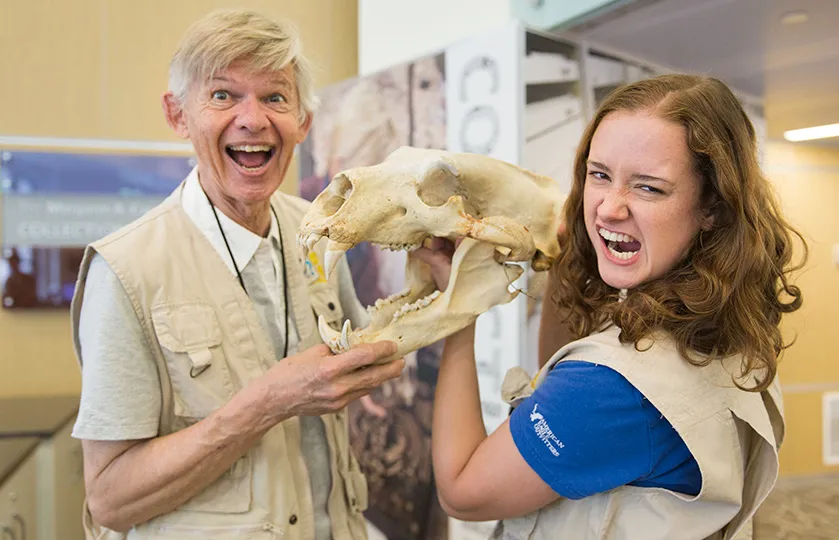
(615, 237)
(251, 148)
(419, 304)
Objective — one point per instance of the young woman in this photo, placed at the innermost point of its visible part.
(663, 419)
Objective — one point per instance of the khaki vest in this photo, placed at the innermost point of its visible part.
(208, 343)
(734, 436)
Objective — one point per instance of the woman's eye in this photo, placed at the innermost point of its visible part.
(276, 98)
(651, 189)
(599, 175)
(220, 95)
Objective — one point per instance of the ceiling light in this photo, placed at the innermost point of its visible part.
(817, 132)
(795, 17)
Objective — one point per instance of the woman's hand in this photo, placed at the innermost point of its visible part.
(438, 255)
(561, 230)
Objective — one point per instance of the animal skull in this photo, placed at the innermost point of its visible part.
(504, 214)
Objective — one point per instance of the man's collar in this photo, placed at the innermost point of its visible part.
(243, 243)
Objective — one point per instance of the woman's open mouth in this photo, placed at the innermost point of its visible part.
(251, 158)
(621, 246)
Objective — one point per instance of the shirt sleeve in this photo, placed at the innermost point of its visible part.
(120, 398)
(584, 430)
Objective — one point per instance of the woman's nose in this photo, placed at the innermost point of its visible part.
(614, 206)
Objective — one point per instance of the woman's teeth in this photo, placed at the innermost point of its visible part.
(623, 255)
(613, 241)
(615, 237)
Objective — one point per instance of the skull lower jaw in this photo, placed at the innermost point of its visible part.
(421, 315)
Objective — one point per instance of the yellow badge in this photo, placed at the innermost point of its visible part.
(314, 269)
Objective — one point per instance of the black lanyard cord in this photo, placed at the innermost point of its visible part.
(239, 274)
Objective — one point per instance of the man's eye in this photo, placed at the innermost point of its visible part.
(220, 95)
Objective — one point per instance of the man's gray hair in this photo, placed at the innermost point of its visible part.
(220, 38)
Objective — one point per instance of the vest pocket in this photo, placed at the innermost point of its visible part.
(325, 302)
(208, 532)
(357, 495)
(190, 339)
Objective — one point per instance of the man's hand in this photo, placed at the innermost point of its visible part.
(130, 482)
(317, 382)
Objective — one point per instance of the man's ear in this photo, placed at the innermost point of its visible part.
(304, 128)
(174, 113)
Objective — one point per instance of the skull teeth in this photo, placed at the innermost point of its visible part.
(419, 304)
(381, 302)
(308, 240)
(337, 342)
(399, 247)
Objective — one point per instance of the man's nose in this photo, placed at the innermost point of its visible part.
(252, 115)
(614, 206)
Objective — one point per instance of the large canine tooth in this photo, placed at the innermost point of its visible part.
(334, 251)
(329, 336)
(312, 240)
(345, 338)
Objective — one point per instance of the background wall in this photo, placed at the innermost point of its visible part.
(394, 31)
(96, 69)
(807, 181)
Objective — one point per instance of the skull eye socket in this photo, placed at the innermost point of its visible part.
(338, 191)
(437, 185)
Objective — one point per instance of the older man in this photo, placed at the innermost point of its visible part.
(210, 408)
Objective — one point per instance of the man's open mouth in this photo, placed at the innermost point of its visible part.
(250, 157)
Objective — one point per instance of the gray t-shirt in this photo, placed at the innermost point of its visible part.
(120, 397)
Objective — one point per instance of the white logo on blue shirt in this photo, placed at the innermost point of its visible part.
(543, 431)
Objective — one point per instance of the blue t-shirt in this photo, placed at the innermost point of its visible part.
(587, 430)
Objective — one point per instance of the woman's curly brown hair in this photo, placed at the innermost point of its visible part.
(727, 295)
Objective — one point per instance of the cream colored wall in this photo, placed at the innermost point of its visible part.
(96, 69)
(807, 180)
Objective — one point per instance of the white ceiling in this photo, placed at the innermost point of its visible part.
(794, 68)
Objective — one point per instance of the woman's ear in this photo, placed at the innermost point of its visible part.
(706, 221)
